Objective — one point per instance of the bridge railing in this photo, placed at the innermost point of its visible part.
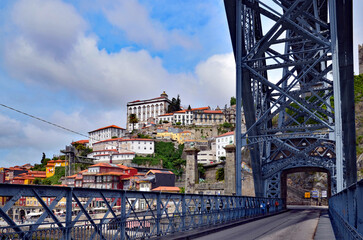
(346, 212)
(47, 212)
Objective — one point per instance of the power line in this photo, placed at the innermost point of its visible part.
(53, 124)
(42, 120)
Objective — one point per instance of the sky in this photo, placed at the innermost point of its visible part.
(76, 63)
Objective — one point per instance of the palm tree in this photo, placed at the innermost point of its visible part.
(133, 119)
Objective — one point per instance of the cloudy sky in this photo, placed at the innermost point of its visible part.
(76, 63)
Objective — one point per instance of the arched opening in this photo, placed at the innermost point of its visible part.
(316, 181)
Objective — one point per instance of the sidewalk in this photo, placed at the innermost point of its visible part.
(324, 230)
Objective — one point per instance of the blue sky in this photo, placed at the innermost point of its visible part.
(78, 62)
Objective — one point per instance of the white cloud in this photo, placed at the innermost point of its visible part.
(134, 19)
(217, 78)
(50, 25)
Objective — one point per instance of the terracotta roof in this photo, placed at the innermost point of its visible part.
(111, 126)
(136, 139)
(125, 167)
(73, 176)
(213, 111)
(105, 165)
(181, 111)
(186, 132)
(166, 114)
(201, 108)
(160, 171)
(82, 141)
(166, 189)
(226, 134)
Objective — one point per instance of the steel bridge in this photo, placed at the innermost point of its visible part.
(81, 213)
(295, 86)
(294, 62)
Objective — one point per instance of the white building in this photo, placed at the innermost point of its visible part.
(221, 142)
(120, 145)
(147, 109)
(137, 145)
(185, 117)
(105, 133)
(168, 117)
(206, 157)
(108, 156)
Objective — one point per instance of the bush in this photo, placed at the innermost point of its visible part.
(220, 174)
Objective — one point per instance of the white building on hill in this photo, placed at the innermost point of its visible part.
(222, 141)
(105, 133)
(147, 110)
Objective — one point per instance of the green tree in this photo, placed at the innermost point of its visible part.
(220, 174)
(133, 119)
(201, 170)
(233, 101)
(37, 181)
(175, 105)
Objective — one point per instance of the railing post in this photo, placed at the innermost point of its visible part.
(158, 214)
(184, 212)
(123, 215)
(359, 207)
(68, 219)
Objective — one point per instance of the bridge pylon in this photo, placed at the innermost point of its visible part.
(294, 81)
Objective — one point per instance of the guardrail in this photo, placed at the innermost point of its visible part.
(80, 213)
(346, 212)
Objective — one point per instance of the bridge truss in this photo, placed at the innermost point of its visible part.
(295, 81)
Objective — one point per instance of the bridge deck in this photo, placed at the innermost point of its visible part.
(297, 223)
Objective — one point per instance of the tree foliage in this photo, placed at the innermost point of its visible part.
(54, 180)
(133, 119)
(42, 165)
(165, 152)
(220, 174)
(175, 105)
(233, 101)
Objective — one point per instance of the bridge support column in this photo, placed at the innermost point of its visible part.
(230, 170)
(191, 171)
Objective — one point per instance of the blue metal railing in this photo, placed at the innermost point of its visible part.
(346, 212)
(75, 213)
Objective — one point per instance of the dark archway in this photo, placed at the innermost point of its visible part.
(284, 174)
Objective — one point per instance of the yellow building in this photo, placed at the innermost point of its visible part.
(183, 136)
(51, 165)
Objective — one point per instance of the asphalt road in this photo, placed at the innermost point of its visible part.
(297, 224)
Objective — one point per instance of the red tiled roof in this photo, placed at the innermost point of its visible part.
(82, 141)
(226, 134)
(213, 111)
(181, 111)
(201, 108)
(125, 167)
(160, 171)
(166, 114)
(111, 126)
(186, 132)
(166, 189)
(136, 139)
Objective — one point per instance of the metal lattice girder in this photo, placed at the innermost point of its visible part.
(125, 214)
(285, 52)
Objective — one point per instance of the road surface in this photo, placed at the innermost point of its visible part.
(298, 223)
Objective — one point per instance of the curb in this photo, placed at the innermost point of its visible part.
(199, 232)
